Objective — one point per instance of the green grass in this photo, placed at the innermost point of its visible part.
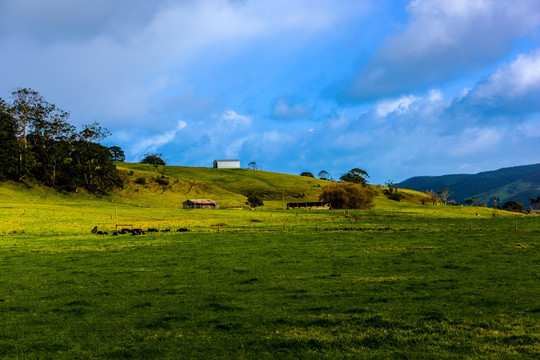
(273, 295)
(401, 281)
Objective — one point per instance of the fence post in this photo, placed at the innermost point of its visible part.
(516, 225)
(470, 225)
(389, 227)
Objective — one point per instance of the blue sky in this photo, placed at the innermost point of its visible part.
(397, 88)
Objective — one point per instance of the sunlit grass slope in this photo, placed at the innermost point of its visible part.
(230, 187)
(153, 189)
(273, 186)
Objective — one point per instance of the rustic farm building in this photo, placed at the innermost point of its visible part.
(226, 164)
(309, 205)
(200, 204)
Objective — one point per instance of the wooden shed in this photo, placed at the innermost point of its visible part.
(309, 205)
(200, 204)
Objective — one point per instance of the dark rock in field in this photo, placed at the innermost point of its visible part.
(166, 230)
(152, 230)
(125, 231)
(102, 233)
(115, 233)
(182, 230)
(94, 230)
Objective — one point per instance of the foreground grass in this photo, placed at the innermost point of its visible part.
(409, 294)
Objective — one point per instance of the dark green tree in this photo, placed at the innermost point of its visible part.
(9, 147)
(50, 150)
(91, 165)
(38, 125)
(324, 175)
(356, 175)
(93, 168)
(254, 199)
(117, 154)
(535, 203)
(307, 173)
(153, 159)
(513, 205)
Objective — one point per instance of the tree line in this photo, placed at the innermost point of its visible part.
(39, 144)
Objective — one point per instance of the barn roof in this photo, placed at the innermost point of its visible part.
(202, 201)
(228, 160)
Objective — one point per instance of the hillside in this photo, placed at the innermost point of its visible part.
(229, 187)
(170, 186)
(515, 183)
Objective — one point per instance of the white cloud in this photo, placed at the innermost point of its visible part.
(516, 79)
(435, 95)
(154, 142)
(399, 106)
(232, 119)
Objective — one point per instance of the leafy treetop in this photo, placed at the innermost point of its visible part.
(153, 159)
(356, 175)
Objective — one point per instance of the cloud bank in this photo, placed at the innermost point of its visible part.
(424, 87)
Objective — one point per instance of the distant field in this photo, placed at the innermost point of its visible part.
(271, 295)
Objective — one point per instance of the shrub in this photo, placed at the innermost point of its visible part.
(513, 205)
(392, 192)
(162, 181)
(347, 196)
(140, 181)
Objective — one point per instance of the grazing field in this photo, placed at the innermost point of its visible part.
(401, 281)
(271, 295)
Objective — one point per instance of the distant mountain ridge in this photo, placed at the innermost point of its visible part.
(513, 183)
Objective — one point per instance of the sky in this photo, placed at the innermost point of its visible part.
(397, 88)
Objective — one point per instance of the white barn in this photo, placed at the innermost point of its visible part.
(226, 164)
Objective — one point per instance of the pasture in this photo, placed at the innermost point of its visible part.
(271, 295)
(402, 281)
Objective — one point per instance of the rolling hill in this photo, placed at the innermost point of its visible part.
(514, 183)
(170, 186)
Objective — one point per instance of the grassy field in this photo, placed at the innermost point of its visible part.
(401, 281)
(409, 294)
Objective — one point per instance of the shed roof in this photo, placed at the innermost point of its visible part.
(228, 160)
(202, 201)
